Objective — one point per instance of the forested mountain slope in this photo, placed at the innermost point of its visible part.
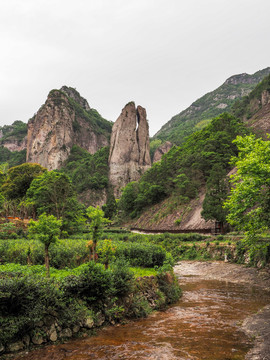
(170, 193)
(200, 113)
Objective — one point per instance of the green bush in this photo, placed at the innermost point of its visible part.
(138, 254)
(24, 301)
(8, 231)
(122, 277)
(168, 284)
(93, 285)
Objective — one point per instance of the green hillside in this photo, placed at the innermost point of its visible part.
(200, 113)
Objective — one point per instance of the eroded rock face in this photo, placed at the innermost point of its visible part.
(129, 150)
(57, 126)
(260, 121)
(15, 144)
(161, 150)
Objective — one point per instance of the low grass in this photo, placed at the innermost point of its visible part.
(140, 272)
(10, 270)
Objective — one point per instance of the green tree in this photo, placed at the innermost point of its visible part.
(110, 207)
(248, 202)
(19, 179)
(129, 195)
(53, 193)
(46, 230)
(107, 252)
(97, 222)
(216, 194)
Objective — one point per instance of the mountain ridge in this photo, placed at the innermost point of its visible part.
(210, 105)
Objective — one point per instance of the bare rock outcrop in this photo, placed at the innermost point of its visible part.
(129, 150)
(58, 125)
(15, 144)
(260, 121)
(161, 150)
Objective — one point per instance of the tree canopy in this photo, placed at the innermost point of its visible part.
(46, 230)
(53, 193)
(19, 178)
(249, 201)
(217, 192)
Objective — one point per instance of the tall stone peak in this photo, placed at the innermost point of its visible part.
(59, 124)
(75, 95)
(129, 150)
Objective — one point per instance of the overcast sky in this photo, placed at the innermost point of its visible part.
(162, 54)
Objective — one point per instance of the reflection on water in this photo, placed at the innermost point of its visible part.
(203, 325)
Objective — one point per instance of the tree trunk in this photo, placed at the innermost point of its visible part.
(47, 261)
(29, 262)
(222, 228)
(94, 251)
(90, 254)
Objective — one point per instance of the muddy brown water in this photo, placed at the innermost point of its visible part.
(204, 324)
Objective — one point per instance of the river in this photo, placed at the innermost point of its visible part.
(204, 324)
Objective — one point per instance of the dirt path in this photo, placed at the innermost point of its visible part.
(256, 326)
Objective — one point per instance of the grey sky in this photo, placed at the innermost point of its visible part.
(163, 54)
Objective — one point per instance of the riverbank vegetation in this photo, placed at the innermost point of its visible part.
(120, 280)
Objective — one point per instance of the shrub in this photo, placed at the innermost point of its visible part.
(93, 285)
(122, 277)
(8, 231)
(145, 255)
(24, 301)
(168, 284)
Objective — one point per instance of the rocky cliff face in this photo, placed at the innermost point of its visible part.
(161, 150)
(15, 144)
(260, 120)
(63, 121)
(129, 150)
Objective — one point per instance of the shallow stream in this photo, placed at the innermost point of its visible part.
(204, 324)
